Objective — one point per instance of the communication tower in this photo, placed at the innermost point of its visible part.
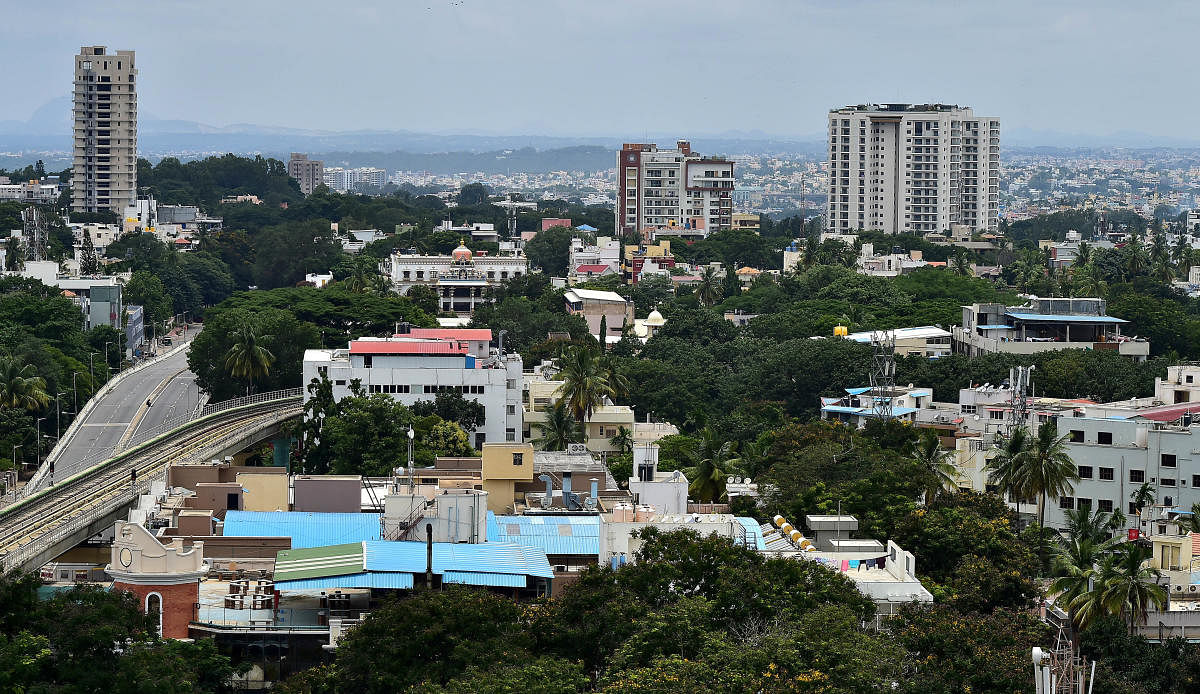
(511, 208)
(883, 372)
(34, 233)
(1020, 380)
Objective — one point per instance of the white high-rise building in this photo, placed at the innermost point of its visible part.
(104, 174)
(673, 188)
(912, 168)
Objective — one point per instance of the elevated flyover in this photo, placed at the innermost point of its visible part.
(46, 523)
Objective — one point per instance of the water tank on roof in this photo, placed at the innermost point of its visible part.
(840, 331)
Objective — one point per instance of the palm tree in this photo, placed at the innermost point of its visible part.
(1007, 470)
(1083, 255)
(937, 463)
(615, 375)
(1075, 559)
(1189, 522)
(559, 429)
(247, 358)
(20, 386)
(960, 264)
(1128, 588)
(710, 288)
(1083, 524)
(359, 281)
(1050, 472)
(1142, 497)
(711, 464)
(584, 384)
(622, 440)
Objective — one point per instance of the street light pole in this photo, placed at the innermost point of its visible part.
(15, 456)
(107, 363)
(75, 390)
(37, 444)
(92, 371)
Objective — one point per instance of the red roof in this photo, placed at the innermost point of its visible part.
(1169, 413)
(593, 268)
(407, 347)
(182, 241)
(472, 334)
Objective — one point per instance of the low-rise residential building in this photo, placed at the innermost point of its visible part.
(859, 405)
(411, 369)
(477, 231)
(541, 392)
(746, 221)
(597, 307)
(551, 222)
(926, 340)
(37, 191)
(462, 279)
(888, 265)
(1043, 325)
(647, 258)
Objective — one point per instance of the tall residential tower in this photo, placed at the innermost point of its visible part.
(105, 114)
(673, 188)
(912, 168)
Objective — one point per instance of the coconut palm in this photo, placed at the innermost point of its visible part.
(1083, 255)
(960, 264)
(584, 384)
(622, 440)
(615, 375)
(1076, 560)
(710, 288)
(20, 386)
(559, 429)
(1142, 497)
(247, 357)
(1189, 522)
(1050, 472)
(712, 461)
(936, 462)
(1128, 587)
(1007, 471)
(1083, 524)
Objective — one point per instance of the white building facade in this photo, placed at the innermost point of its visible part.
(411, 369)
(462, 280)
(912, 168)
(105, 131)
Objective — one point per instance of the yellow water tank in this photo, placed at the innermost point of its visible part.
(779, 521)
(786, 528)
(796, 536)
(840, 331)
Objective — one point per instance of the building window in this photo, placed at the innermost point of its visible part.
(1076, 436)
(154, 609)
(1132, 508)
(1137, 476)
(1167, 482)
(1196, 480)
(1104, 438)
(1106, 473)
(367, 361)
(510, 435)
(1085, 472)
(1168, 460)
(1105, 505)
(1066, 503)
(996, 414)
(1083, 503)
(518, 458)
(968, 409)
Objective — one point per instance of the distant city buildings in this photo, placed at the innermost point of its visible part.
(309, 173)
(105, 131)
(342, 180)
(673, 188)
(906, 168)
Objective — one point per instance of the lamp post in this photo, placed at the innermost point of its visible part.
(92, 371)
(37, 444)
(75, 390)
(15, 456)
(107, 363)
(58, 416)
(411, 435)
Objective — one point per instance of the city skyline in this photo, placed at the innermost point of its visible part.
(534, 68)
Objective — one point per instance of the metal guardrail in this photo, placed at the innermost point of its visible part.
(145, 435)
(24, 552)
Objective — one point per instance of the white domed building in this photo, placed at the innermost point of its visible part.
(463, 279)
(645, 328)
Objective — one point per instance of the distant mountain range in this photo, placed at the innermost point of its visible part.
(49, 128)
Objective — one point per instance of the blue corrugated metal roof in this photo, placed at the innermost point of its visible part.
(553, 534)
(1065, 319)
(995, 327)
(858, 391)
(306, 529)
(753, 530)
(865, 411)
(472, 578)
(370, 579)
(487, 557)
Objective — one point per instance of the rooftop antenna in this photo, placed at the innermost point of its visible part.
(511, 207)
(883, 373)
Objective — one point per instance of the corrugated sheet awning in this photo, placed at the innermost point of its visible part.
(473, 578)
(370, 579)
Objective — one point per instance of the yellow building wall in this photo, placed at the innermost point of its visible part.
(501, 495)
(263, 492)
(498, 462)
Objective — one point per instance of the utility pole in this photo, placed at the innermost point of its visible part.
(107, 363)
(37, 444)
(92, 371)
(75, 390)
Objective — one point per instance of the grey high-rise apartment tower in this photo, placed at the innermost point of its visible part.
(309, 173)
(912, 168)
(105, 115)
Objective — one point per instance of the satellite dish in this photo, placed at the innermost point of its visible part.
(976, 418)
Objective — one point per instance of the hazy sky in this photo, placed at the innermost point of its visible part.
(620, 68)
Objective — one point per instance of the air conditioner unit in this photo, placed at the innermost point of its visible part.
(1194, 588)
(1177, 589)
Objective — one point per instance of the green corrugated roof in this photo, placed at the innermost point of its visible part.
(319, 562)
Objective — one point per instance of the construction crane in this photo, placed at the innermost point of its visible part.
(511, 208)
